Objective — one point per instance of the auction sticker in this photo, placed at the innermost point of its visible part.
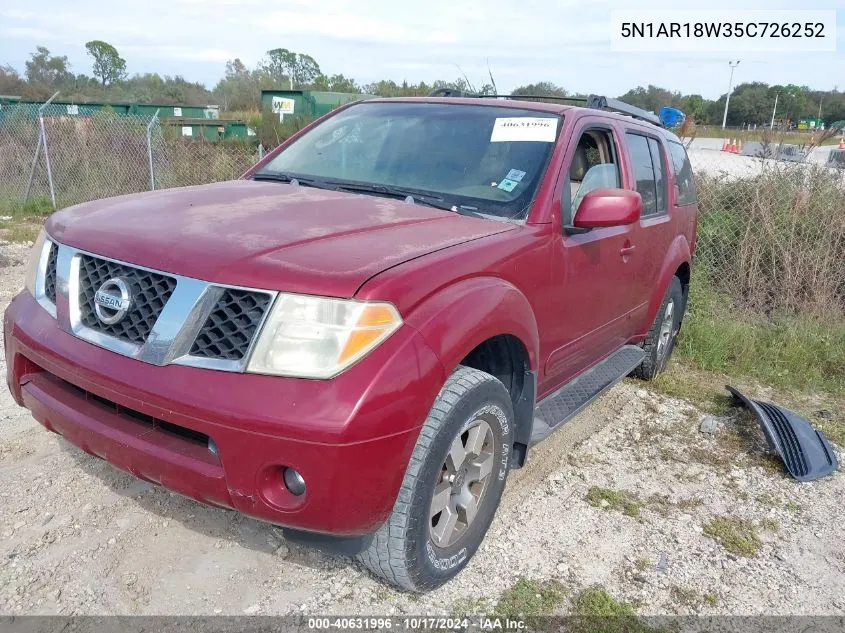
(537, 129)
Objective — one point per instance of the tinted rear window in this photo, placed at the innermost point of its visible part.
(683, 173)
(643, 171)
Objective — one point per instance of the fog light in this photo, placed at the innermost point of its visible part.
(294, 482)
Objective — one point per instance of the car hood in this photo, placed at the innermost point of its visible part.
(265, 234)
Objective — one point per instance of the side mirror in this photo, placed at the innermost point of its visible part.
(608, 207)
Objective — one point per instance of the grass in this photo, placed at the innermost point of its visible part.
(793, 352)
(607, 499)
(530, 598)
(766, 499)
(21, 222)
(770, 525)
(738, 536)
(684, 378)
(22, 233)
(34, 207)
(643, 564)
(792, 137)
(469, 606)
(691, 598)
(594, 610)
(663, 505)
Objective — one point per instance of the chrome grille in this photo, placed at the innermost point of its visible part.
(230, 328)
(50, 274)
(150, 292)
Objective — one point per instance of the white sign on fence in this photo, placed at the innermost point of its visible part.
(177, 111)
(187, 130)
(73, 109)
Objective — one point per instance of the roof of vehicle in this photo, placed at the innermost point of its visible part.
(538, 106)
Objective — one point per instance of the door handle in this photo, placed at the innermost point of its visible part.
(625, 251)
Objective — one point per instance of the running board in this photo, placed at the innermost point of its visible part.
(561, 406)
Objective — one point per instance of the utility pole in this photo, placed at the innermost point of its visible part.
(775, 109)
(730, 85)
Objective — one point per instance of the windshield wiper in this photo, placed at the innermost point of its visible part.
(401, 193)
(277, 176)
(410, 195)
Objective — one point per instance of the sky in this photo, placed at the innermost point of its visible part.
(563, 41)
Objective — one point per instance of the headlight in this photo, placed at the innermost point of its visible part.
(34, 262)
(317, 337)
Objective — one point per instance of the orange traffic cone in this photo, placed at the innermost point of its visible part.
(732, 150)
(841, 143)
(725, 146)
(739, 146)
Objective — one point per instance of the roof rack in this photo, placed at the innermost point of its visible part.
(594, 102)
(597, 102)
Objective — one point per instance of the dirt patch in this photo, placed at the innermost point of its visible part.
(80, 537)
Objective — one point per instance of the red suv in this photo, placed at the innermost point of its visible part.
(362, 335)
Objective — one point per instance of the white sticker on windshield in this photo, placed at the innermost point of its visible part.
(506, 130)
(515, 174)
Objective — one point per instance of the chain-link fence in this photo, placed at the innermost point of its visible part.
(771, 233)
(771, 236)
(69, 158)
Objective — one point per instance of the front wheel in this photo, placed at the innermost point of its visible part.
(452, 485)
(660, 341)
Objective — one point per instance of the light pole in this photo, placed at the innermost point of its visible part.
(774, 110)
(730, 85)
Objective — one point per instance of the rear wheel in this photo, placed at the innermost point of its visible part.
(660, 341)
(451, 488)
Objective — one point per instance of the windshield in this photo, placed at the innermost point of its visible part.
(481, 159)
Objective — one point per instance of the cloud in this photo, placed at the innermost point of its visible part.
(566, 41)
(27, 33)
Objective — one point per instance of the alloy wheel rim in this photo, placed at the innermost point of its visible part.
(666, 325)
(463, 482)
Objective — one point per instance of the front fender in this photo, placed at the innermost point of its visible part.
(458, 318)
(677, 255)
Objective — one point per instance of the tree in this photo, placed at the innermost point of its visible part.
(109, 66)
(305, 69)
(236, 68)
(541, 89)
(335, 83)
(45, 68)
(279, 65)
(299, 69)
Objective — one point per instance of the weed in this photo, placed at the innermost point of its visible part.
(22, 232)
(530, 598)
(608, 499)
(686, 597)
(594, 610)
(643, 564)
(766, 499)
(738, 536)
(383, 594)
(469, 606)
(770, 525)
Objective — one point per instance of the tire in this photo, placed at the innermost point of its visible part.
(412, 549)
(660, 341)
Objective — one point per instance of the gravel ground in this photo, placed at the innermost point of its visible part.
(621, 497)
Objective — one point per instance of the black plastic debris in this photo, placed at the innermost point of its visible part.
(804, 450)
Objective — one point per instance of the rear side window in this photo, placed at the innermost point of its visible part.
(646, 175)
(683, 174)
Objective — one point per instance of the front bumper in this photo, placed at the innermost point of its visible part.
(350, 437)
